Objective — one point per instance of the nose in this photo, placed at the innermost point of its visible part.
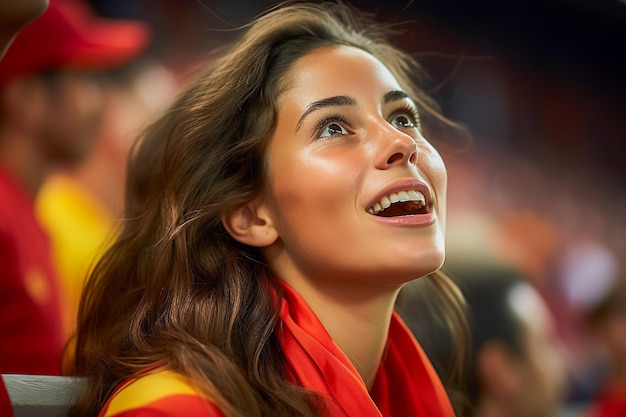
(395, 148)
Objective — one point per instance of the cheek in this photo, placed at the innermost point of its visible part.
(313, 178)
(309, 192)
(433, 167)
(436, 169)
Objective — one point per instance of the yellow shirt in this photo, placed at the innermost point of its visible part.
(80, 230)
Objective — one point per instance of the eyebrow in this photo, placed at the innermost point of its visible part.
(336, 101)
(395, 95)
(327, 102)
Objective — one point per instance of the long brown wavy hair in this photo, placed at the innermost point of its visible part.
(175, 288)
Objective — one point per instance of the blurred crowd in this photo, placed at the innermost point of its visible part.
(79, 83)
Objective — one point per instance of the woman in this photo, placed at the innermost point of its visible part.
(274, 212)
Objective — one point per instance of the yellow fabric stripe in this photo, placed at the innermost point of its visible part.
(147, 389)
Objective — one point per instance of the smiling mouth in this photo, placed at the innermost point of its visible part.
(402, 203)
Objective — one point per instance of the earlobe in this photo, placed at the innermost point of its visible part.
(250, 224)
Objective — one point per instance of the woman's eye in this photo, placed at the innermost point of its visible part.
(333, 129)
(403, 120)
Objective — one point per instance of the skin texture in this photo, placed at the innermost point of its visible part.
(14, 16)
(323, 176)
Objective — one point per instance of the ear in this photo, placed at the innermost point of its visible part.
(251, 224)
(498, 370)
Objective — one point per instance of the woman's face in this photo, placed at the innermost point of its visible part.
(346, 147)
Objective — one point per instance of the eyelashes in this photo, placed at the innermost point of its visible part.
(327, 122)
(410, 111)
(338, 125)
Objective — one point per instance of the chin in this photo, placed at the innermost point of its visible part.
(429, 263)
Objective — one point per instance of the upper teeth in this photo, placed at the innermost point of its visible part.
(400, 196)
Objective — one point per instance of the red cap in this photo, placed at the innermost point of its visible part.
(70, 35)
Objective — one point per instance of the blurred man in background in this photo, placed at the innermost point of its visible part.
(80, 206)
(14, 17)
(515, 368)
(50, 108)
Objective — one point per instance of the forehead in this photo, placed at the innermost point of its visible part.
(337, 70)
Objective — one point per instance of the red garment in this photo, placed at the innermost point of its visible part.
(406, 384)
(31, 325)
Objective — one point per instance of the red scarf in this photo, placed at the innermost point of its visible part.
(406, 384)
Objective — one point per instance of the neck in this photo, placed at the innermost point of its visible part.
(357, 320)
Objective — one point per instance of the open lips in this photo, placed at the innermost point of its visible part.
(402, 203)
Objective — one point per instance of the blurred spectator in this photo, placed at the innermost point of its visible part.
(608, 321)
(50, 107)
(514, 368)
(79, 206)
(14, 16)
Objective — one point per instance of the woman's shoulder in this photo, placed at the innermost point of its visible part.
(159, 393)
